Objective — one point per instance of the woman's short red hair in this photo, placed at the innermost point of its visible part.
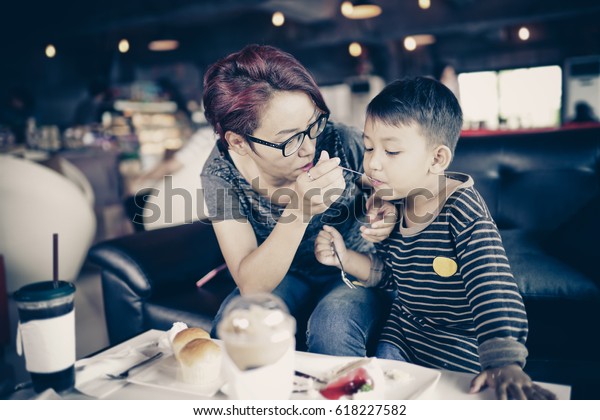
(237, 87)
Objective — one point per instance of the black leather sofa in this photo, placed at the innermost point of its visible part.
(543, 189)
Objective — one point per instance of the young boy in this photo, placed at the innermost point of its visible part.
(457, 305)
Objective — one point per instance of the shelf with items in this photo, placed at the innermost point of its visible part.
(159, 130)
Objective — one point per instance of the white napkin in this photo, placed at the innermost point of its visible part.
(167, 339)
(92, 379)
(90, 373)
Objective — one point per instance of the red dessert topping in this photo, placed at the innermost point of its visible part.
(347, 385)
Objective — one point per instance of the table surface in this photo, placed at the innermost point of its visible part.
(451, 386)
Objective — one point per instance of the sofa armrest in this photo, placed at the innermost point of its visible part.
(160, 261)
(144, 270)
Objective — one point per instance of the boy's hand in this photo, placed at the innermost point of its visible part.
(382, 215)
(324, 250)
(510, 382)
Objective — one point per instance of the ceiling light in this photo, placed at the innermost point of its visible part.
(163, 45)
(423, 39)
(355, 49)
(424, 4)
(123, 46)
(278, 19)
(50, 51)
(360, 9)
(410, 43)
(524, 33)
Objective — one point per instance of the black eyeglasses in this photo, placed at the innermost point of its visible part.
(291, 145)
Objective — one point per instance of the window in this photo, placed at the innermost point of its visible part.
(512, 99)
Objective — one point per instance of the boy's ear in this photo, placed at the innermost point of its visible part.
(441, 158)
(236, 143)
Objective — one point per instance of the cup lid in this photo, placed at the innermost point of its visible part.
(261, 317)
(44, 290)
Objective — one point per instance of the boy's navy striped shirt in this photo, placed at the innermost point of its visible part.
(462, 318)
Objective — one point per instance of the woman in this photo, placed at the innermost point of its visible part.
(271, 183)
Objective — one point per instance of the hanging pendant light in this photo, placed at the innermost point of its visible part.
(360, 9)
(163, 45)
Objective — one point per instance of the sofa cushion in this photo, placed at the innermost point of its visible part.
(577, 240)
(196, 306)
(536, 180)
(555, 294)
(541, 275)
(543, 198)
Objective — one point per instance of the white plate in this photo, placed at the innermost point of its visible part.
(166, 374)
(420, 379)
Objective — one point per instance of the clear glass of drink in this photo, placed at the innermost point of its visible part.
(258, 334)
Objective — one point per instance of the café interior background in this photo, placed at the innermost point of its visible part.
(521, 63)
(110, 42)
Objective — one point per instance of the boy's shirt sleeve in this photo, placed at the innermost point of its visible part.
(496, 303)
(380, 274)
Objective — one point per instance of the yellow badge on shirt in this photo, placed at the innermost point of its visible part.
(444, 267)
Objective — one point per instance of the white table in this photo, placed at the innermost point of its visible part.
(451, 386)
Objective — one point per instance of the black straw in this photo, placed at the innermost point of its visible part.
(55, 259)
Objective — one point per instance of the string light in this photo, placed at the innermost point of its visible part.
(355, 49)
(123, 46)
(524, 33)
(278, 19)
(424, 4)
(50, 51)
(410, 43)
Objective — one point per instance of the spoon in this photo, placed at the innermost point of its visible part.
(356, 172)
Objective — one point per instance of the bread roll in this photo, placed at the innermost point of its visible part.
(200, 361)
(185, 336)
(199, 350)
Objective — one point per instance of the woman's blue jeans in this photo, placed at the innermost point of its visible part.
(386, 350)
(331, 318)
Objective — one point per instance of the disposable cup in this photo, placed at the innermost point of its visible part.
(46, 333)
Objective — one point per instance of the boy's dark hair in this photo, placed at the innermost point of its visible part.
(422, 101)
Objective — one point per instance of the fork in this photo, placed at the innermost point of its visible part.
(307, 376)
(344, 276)
(125, 373)
(330, 377)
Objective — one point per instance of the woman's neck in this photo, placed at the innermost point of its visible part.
(265, 184)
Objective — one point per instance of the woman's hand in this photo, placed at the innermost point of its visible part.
(324, 249)
(510, 382)
(382, 215)
(321, 186)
